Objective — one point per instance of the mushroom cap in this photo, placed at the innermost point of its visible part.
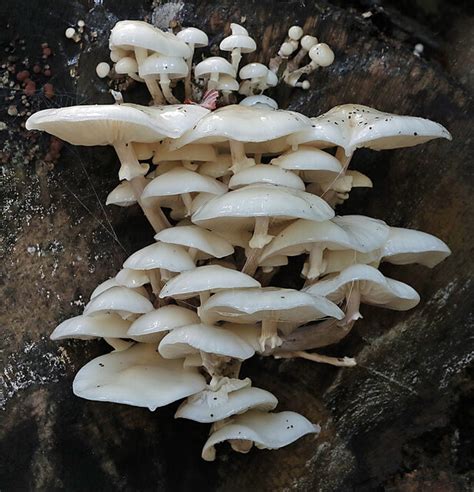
(336, 261)
(123, 300)
(113, 282)
(253, 71)
(194, 36)
(352, 126)
(257, 304)
(241, 41)
(108, 124)
(126, 65)
(181, 180)
(259, 100)
(192, 236)
(308, 159)
(207, 278)
(150, 327)
(249, 332)
(122, 195)
(406, 246)
(227, 83)
(132, 278)
(359, 180)
(137, 376)
(213, 406)
(156, 64)
(82, 327)
(265, 430)
(236, 237)
(214, 64)
(129, 35)
(322, 54)
(263, 200)
(374, 288)
(354, 232)
(272, 79)
(243, 124)
(171, 257)
(266, 174)
(204, 338)
(188, 153)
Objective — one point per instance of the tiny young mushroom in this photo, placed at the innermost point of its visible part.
(182, 182)
(128, 66)
(214, 406)
(197, 240)
(204, 280)
(137, 376)
(123, 195)
(354, 232)
(259, 101)
(194, 38)
(127, 303)
(119, 125)
(273, 307)
(213, 68)
(265, 430)
(167, 68)
(141, 38)
(238, 42)
(238, 125)
(403, 246)
(227, 84)
(253, 206)
(217, 347)
(159, 260)
(353, 126)
(254, 79)
(153, 326)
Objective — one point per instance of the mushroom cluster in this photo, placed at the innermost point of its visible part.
(232, 193)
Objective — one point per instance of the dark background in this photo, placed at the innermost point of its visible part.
(400, 420)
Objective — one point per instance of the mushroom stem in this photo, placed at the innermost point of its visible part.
(188, 201)
(344, 159)
(236, 57)
(193, 253)
(204, 296)
(257, 158)
(269, 334)
(189, 165)
(141, 54)
(315, 262)
(213, 81)
(165, 87)
(188, 86)
(240, 160)
(133, 171)
(323, 359)
(260, 236)
(251, 263)
(352, 305)
(155, 280)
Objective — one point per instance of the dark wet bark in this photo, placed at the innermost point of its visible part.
(401, 420)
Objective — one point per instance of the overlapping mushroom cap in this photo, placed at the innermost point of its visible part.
(204, 338)
(153, 326)
(351, 126)
(373, 286)
(171, 257)
(265, 430)
(137, 376)
(214, 406)
(266, 174)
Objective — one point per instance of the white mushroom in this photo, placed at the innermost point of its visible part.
(271, 306)
(214, 406)
(265, 430)
(197, 240)
(167, 68)
(238, 42)
(107, 325)
(266, 174)
(123, 195)
(138, 376)
(213, 68)
(194, 38)
(254, 77)
(128, 66)
(125, 302)
(259, 101)
(140, 37)
(153, 326)
(227, 84)
(132, 278)
(183, 182)
(354, 232)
